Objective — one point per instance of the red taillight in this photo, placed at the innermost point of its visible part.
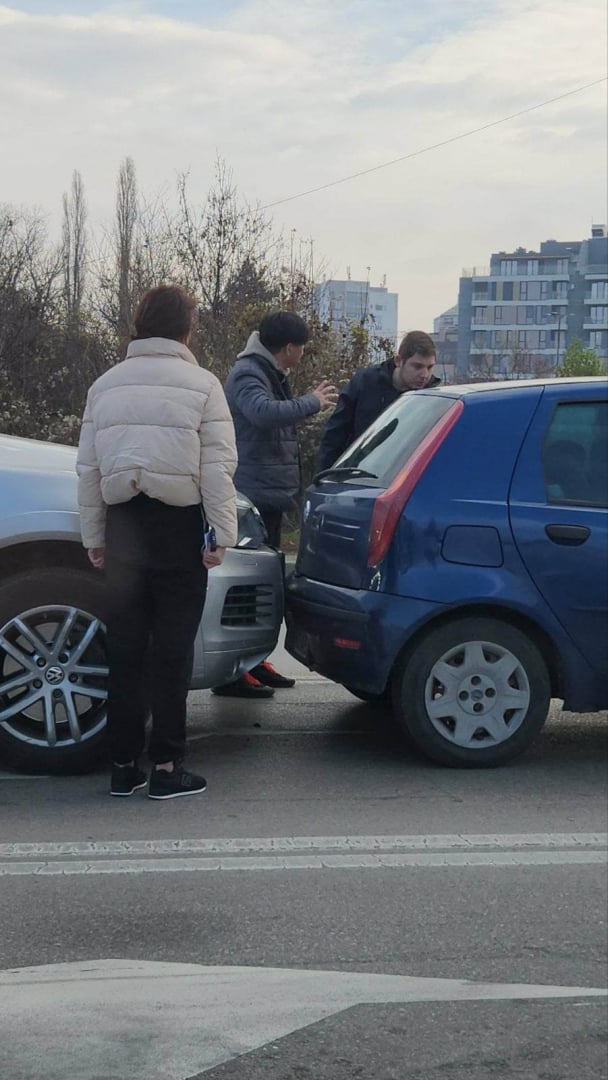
(388, 507)
(347, 643)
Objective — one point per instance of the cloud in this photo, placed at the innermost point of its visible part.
(295, 94)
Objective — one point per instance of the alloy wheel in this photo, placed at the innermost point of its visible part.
(53, 676)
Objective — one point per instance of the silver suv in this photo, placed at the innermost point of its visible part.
(53, 671)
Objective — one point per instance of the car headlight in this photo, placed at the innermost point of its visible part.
(252, 533)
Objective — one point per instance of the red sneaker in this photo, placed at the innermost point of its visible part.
(267, 674)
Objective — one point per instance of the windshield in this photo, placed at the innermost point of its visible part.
(385, 447)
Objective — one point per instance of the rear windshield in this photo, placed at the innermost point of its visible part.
(386, 446)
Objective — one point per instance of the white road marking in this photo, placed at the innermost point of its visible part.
(80, 1019)
(303, 853)
(21, 776)
(308, 862)
(289, 844)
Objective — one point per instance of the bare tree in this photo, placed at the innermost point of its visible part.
(74, 246)
(520, 363)
(126, 221)
(222, 249)
(29, 273)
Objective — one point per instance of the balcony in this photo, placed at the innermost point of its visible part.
(476, 272)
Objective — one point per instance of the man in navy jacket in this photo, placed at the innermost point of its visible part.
(266, 416)
(371, 390)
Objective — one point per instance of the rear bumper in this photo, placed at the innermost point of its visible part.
(242, 617)
(382, 625)
(351, 636)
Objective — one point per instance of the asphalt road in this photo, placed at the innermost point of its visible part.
(333, 907)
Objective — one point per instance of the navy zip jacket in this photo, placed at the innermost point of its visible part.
(265, 416)
(369, 393)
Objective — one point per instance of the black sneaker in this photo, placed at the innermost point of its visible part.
(247, 686)
(170, 785)
(126, 779)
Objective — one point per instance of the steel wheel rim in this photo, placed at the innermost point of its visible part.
(53, 676)
(477, 695)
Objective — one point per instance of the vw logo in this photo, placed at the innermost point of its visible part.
(54, 675)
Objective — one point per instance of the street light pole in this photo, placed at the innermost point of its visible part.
(559, 316)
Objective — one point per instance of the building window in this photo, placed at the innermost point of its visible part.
(521, 315)
(562, 266)
(530, 290)
(492, 290)
(599, 290)
(522, 339)
(507, 290)
(532, 267)
(542, 339)
(497, 314)
(508, 267)
(596, 340)
(479, 315)
(599, 315)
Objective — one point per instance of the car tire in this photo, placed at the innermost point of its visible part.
(384, 699)
(493, 701)
(53, 670)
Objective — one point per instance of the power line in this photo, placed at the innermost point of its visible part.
(435, 146)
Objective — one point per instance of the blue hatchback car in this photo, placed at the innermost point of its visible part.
(454, 562)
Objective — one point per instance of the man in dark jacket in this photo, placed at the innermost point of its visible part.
(371, 390)
(265, 417)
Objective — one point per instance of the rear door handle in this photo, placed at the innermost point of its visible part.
(571, 535)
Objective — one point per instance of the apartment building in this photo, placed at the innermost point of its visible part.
(445, 336)
(348, 303)
(517, 316)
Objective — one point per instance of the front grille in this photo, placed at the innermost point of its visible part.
(248, 605)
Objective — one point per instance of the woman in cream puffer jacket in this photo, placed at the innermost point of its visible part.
(157, 423)
(157, 452)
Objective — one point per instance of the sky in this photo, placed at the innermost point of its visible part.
(294, 94)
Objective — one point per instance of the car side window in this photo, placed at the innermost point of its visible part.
(575, 454)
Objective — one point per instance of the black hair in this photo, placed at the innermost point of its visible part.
(166, 311)
(281, 328)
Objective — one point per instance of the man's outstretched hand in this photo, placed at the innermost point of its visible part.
(327, 394)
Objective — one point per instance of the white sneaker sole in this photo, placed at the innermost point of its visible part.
(178, 794)
(127, 794)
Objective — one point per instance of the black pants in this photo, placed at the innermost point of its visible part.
(273, 519)
(153, 618)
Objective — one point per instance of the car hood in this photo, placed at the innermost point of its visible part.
(38, 479)
(39, 457)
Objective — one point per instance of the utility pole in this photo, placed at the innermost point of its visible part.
(559, 316)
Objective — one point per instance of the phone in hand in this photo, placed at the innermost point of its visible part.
(210, 543)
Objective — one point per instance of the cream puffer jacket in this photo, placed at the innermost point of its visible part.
(157, 423)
